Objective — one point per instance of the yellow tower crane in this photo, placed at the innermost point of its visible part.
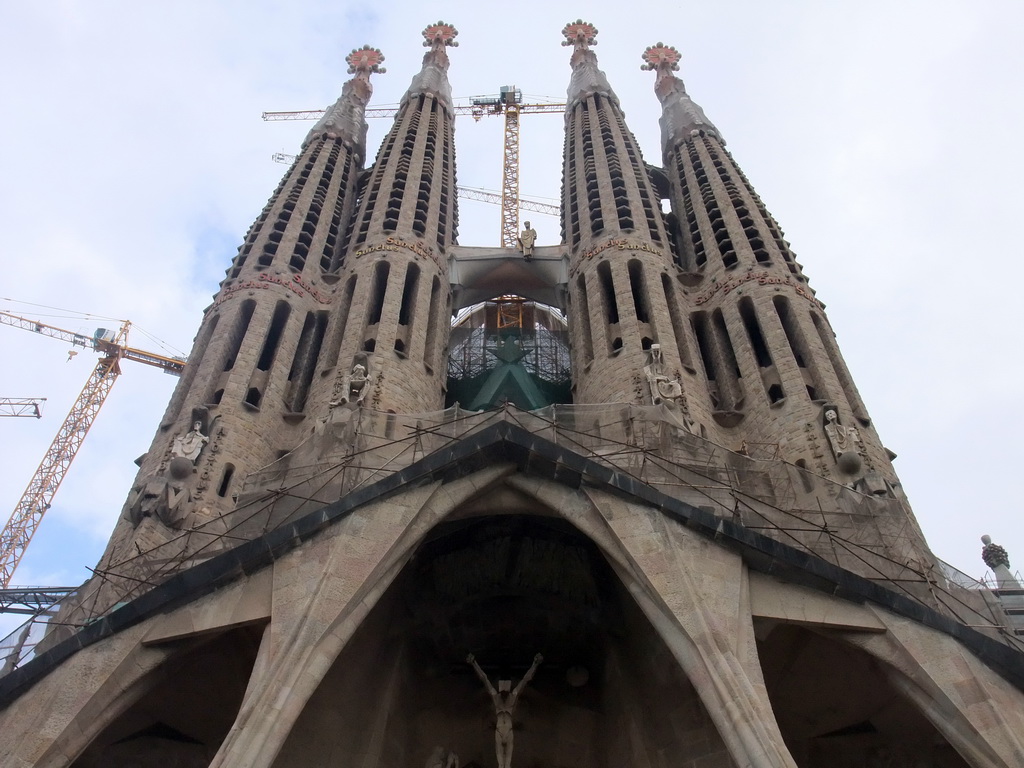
(22, 406)
(38, 496)
(508, 102)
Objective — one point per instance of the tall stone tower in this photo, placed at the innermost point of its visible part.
(696, 553)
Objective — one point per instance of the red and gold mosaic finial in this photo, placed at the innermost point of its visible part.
(580, 34)
(365, 61)
(440, 34)
(661, 57)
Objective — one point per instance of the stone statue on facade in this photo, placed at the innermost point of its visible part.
(191, 444)
(161, 498)
(355, 386)
(527, 239)
(842, 440)
(664, 388)
(505, 700)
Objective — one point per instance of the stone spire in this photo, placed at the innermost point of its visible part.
(680, 116)
(586, 79)
(345, 120)
(432, 79)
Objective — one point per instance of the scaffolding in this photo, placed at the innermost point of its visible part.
(860, 533)
(508, 327)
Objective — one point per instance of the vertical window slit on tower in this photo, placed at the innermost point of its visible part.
(256, 228)
(444, 127)
(604, 274)
(331, 256)
(639, 290)
(719, 360)
(762, 354)
(692, 254)
(730, 368)
(590, 167)
(266, 258)
(584, 320)
(412, 276)
(307, 352)
(273, 339)
(710, 204)
(432, 323)
(798, 344)
(380, 287)
(613, 165)
(411, 119)
(757, 341)
(422, 210)
(340, 322)
(643, 182)
(238, 335)
(703, 335)
(675, 316)
(225, 480)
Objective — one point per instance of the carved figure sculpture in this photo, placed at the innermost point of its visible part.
(190, 445)
(158, 497)
(664, 388)
(355, 387)
(842, 440)
(505, 700)
(527, 238)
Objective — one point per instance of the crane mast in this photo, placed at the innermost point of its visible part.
(38, 496)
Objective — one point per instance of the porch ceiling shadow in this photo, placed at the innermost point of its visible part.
(479, 274)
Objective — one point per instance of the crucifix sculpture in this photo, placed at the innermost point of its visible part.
(505, 700)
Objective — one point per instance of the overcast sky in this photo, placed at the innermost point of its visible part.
(885, 137)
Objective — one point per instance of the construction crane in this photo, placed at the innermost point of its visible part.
(508, 102)
(525, 203)
(22, 406)
(38, 496)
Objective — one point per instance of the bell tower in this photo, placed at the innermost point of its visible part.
(770, 368)
(619, 249)
(246, 391)
(392, 325)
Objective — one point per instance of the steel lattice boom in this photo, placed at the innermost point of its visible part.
(38, 496)
(22, 406)
(32, 600)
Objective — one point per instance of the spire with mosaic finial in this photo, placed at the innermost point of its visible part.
(580, 35)
(440, 35)
(587, 79)
(432, 79)
(680, 115)
(364, 61)
(345, 119)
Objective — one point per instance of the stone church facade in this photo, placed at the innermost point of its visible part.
(666, 533)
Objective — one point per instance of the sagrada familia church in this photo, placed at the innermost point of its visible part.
(627, 508)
